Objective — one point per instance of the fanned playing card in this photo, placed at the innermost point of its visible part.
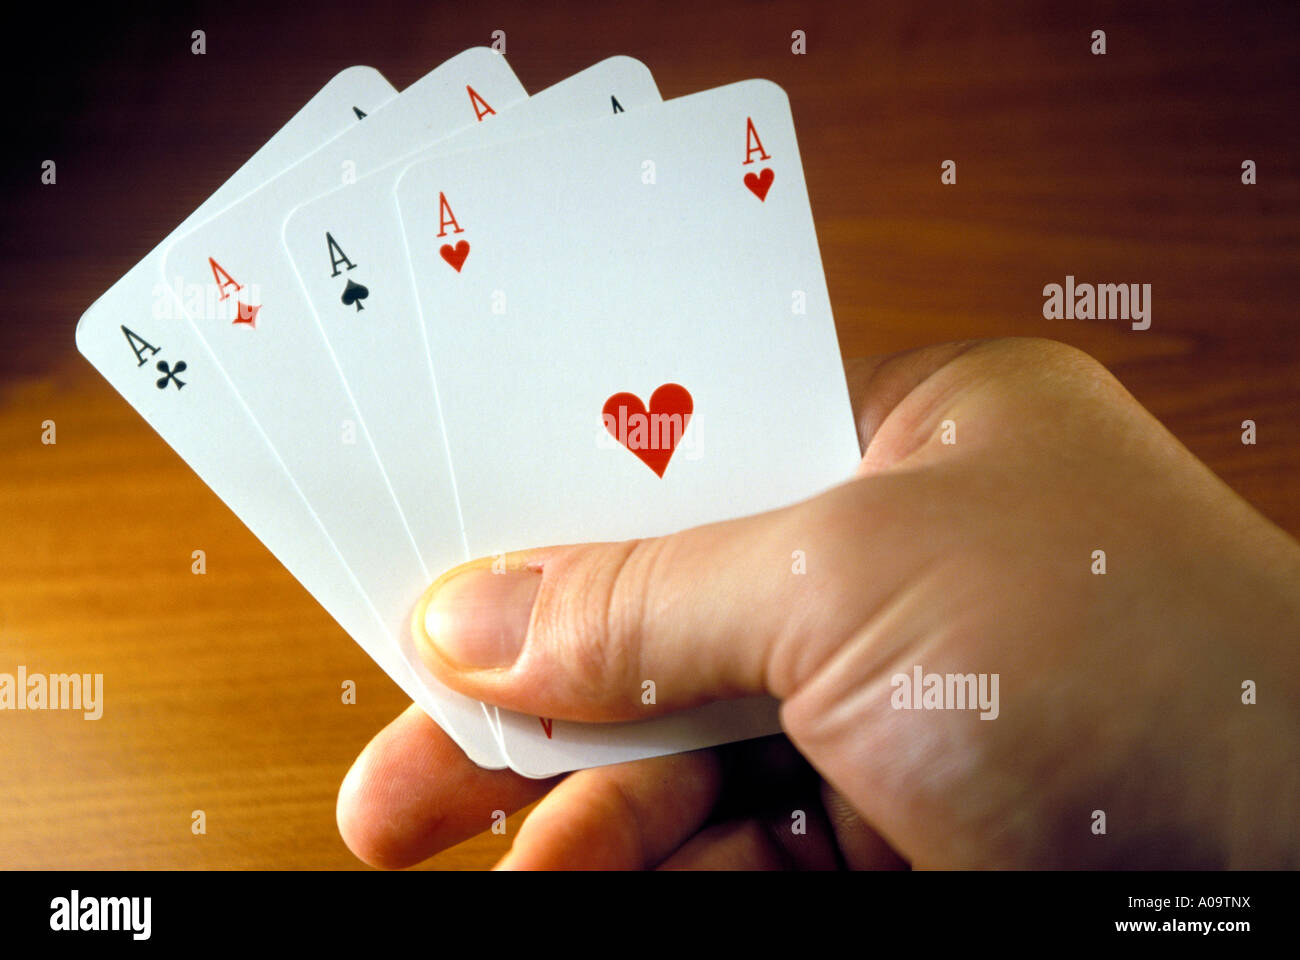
(255, 319)
(374, 330)
(136, 336)
(667, 356)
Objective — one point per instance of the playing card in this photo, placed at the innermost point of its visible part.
(135, 337)
(664, 353)
(254, 318)
(372, 323)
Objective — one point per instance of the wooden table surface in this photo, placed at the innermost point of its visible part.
(222, 690)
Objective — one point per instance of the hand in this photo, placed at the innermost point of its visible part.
(1119, 692)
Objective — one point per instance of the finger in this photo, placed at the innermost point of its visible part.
(861, 847)
(879, 385)
(768, 814)
(412, 792)
(628, 816)
(714, 612)
(735, 845)
(760, 843)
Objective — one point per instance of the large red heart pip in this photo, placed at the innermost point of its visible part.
(760, 183)
(652, 435)
(455, 255)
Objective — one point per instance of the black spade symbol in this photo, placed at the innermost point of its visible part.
(354, 293)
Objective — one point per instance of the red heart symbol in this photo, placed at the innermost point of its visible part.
(760, 183)
(652, 435)
(455, 255)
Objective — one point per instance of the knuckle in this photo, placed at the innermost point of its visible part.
(597, 625)
(1056, 356)
(1071, 374)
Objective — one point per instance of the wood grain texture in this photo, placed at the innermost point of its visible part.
(222, 691)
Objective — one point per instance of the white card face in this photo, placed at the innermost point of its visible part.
(164, 370)
(379, 341)
(251, 312)
(666, 258)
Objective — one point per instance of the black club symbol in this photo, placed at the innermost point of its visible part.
(170, 371)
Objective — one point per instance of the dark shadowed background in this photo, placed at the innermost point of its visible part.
(222, 691)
